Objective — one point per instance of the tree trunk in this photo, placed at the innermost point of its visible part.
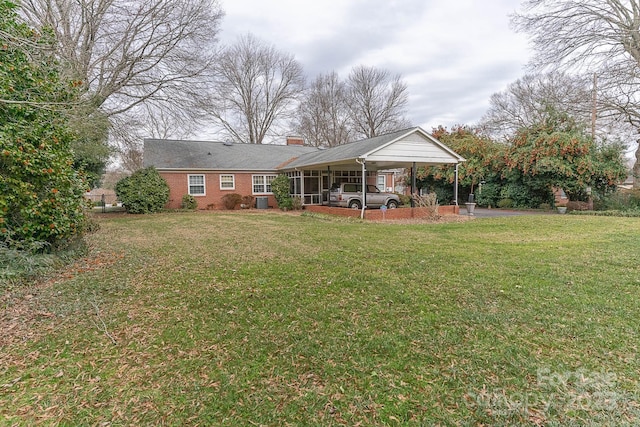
(636, 168)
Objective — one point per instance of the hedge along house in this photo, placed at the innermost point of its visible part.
(209, 170)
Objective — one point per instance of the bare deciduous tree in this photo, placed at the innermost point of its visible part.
(601, 37)
(127, 137)
(129, 130)
(377, 101)
(129, 52)
(256, 90)
(139, 61)
(582, 32)
(323, 117)
(530, 99)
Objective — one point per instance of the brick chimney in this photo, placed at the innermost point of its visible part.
(295, 140)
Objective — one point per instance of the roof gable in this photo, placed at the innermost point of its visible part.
(392, 150)
(416, 146)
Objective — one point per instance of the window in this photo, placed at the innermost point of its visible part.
(382, 182)
(227, 182)
(262, 183)
(196, 185)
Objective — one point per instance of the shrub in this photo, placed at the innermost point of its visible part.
(405, 199)
(280, 188)
(426, 201)
(231, 200)
(577, 206)
(189, 202)
(620, 200)
(287, 203)
(444, 194)
(22, 263)
(518, 194)
(247, 201)
(631, 213)
(489, 195)
(545, 206)
(429, 201)
(42, 204)
(505, 203)
(296, 203)
(143, 192)
(615, 201)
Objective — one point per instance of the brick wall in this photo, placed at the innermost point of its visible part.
(377, 214)
(178, 187)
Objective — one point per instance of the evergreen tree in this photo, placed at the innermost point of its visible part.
(41, 195)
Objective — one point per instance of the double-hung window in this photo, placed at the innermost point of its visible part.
(227, 182)
(262, 183)
(196, 185)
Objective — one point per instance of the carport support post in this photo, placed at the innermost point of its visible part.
(413, 184)
(364, 188)
(455, 187)
(302, 186)
(329, 184)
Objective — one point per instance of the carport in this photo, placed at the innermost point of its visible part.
(312, 174)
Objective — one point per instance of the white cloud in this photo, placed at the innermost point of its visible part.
(453, 54)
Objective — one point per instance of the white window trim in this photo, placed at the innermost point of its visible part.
(233, 181)
(264, 176)
(204, 185)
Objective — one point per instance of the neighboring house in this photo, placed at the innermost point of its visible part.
(209, 170)
(628, 183)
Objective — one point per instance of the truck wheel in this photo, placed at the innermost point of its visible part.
(355, 204)
(392, 204)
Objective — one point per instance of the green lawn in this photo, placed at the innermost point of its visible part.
(274, 319)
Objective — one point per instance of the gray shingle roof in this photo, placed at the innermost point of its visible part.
(209, 155)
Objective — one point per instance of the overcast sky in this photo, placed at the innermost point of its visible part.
(453, 54)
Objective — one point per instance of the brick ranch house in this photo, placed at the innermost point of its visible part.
(209, 170)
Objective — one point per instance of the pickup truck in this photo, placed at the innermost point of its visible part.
(349, 195)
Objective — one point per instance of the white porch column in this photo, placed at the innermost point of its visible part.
(364, 188)
(455, 188)
(302, 186)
